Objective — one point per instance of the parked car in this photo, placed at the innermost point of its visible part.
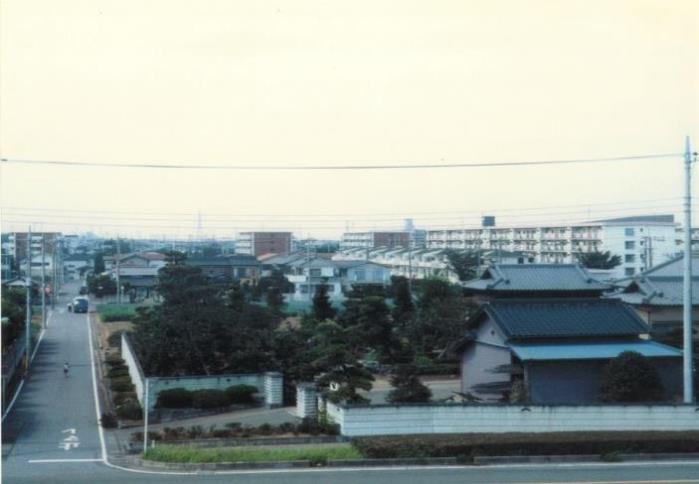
(79, 305)
(83, 290)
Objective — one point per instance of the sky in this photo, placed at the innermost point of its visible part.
(341, 83)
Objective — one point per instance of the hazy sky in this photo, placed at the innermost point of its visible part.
(323, 82)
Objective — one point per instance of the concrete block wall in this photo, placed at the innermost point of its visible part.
(274, 389)
(306, 400)
(424, 419)
(135, 371)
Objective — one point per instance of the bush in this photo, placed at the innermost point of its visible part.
(241, 393)
(560, 443)
(114, 360)
(114, 339)
(630, 377)
(130, 410)
(118, 372)
(137, 437)
(108, 421)
(407, 387)
(175, 398)
(122, 385)
(123, 397)
(206, 399)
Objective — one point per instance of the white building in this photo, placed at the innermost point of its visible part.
(373, 239)
(641, 242)
(36, 265)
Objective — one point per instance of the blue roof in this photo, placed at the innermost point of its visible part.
(536, 277)
(592, 351)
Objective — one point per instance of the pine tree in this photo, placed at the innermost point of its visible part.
(407, 387)
(322, 309)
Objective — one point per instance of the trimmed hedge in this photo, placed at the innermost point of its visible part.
(241, 393)
(175, 398)
(122, 385)
(117, 372)
(123, 397)
(114, 360)
(205, 399)
(563, 443)
(130, 410)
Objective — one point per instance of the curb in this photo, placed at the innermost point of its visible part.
(427, 461)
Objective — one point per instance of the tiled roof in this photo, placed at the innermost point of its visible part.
(536, 277)
(592, 351)
(562, 318)
(231, 260)
(658, 291)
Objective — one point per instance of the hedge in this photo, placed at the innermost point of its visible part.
(130, 410)
(205, 399)
(175, 398)
(122, 385)
(114, 360)
(116, 312)
(117, 372)
(123, 397)
(560, 443)
(241, 393)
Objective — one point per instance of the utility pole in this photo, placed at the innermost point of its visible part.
(54, 283)
(43, 281)
(687, 300)
(118, 261)
(27, 328)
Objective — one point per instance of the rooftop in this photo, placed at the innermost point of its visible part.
(535, 277)
(591, 351)
(562, 318)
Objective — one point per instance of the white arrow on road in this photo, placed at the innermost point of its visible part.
(70, 442)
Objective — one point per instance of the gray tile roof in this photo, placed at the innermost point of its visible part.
(535, 277)
(562, 318)
(233, 260)
(657, 291)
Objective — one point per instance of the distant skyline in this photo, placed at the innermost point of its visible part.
(366, 82)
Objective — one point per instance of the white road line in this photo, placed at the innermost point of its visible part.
(21, 383)
(54, 461)
(96, 394)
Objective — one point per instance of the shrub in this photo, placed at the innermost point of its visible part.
(234, 426)
(122, 385)
(407, 387)
(123, 397)
(205, 399)
(114, 360)
(176, 433)
(175, 398)
(222, 433)
(560, 443)
(108, 421)
(241, 393)
(137, 437)
(114, 339)
(195, 431)
(117, 372)
(630, 377)
(130, 410)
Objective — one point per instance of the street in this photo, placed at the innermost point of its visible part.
(52, 434)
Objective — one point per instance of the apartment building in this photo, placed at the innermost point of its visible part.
(259, 243)
(641, 241)
(16, 244)
(372, 239)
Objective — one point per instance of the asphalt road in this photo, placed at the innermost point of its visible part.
(55, 438)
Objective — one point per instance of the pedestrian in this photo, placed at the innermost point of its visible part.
(65, 368)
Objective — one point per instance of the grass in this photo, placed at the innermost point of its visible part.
(175, 453)
(116, 312)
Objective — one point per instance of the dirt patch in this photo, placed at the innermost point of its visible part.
(108, 329)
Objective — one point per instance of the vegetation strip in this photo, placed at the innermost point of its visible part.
(168, 453)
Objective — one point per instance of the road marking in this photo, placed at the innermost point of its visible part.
(100, 430)
(21, 383)
(53, 461)
(68, 431)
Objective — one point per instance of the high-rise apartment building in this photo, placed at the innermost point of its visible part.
(258, 243)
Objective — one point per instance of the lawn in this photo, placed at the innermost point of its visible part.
(182, 454)
(116, 312)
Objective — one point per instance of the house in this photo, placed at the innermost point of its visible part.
(73, 265)
(244, 268)
(337, 276)
(36, 264)
(557, 348)
(535, 280)
(657, 295)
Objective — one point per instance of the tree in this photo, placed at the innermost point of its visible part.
(403, 300)
(275, 300)
(630, 377)
(99, 263)
(375, 327)
(13, 307)
(337, 365)
(463, 263)
(101, 285)
(407, 387)
(599, 260)
(322, 309)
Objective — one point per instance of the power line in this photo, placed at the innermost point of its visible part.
(281, 167)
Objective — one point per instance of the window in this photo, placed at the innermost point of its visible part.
(629, 245)
(629, 232)
(630, 258)
(315, 272)
(304, 288)
(359, 275)
(629, 271)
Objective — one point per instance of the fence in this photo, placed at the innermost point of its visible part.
(270, 383)
(364, 420)
(12, 358)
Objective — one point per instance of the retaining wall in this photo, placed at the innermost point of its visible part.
(363, 420)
